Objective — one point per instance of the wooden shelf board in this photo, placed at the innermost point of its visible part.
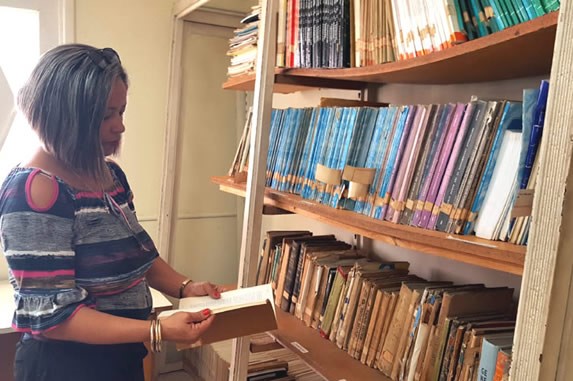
(495, 255)
(523, 50)
(323, 355)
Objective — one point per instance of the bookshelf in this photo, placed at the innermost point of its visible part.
(524, 50)
(495, 255)
(320, 354)
(499, 56)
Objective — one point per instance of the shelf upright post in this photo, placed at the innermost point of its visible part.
(262, 108)
(542, 343)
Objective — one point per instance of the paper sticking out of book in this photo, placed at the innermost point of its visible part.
(240, 312)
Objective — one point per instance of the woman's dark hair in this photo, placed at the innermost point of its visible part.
(65, 100)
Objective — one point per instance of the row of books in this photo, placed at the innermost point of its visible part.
(341, 33)
(380, 314)
(458, 168)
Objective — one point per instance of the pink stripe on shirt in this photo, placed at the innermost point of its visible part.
(41, 274)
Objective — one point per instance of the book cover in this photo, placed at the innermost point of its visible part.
(486, 300)
(475, 131)
(240, 312)
(446, 160)
(397, 201)
(423, 164)
(489, 351)
(511, 119)
(444, 124)
(475, 166)
(398, 143)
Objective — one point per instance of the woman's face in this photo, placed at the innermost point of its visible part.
(112, 126)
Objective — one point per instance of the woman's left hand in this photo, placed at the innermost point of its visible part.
(202, 289)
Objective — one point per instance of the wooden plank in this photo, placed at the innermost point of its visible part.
(543, 330)
(259, 142)
(495, 255)
(321, 354)
(523, 50)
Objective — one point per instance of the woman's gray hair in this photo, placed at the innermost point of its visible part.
(65, 100)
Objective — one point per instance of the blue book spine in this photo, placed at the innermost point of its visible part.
(323, 121)
(304, 156)
(278, 144)
(488, 358)
(528, 4)
(377, 146)
(398, 141)
(362, 149)
(391, 124)
(536, 132)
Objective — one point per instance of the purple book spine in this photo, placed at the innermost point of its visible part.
(443, 186)
(448, 157)
(410, 157)
(423, 193)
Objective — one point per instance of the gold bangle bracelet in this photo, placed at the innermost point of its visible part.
(182, 287)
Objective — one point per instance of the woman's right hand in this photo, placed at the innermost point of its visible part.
(186, 327)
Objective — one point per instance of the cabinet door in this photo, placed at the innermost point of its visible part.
(205, 221)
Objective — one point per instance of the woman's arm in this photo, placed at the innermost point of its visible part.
(164, 278)
(95, 327)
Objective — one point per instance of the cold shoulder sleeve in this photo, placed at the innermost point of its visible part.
(38, 245)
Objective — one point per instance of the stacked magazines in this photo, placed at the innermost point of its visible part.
(243, 46)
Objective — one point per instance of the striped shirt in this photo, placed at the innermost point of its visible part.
(84, 249)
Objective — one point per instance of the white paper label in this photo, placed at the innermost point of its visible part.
(299, 347)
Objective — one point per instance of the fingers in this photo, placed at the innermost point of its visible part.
(196, 317)
(205, 288)
(186, 327)
(212, 290)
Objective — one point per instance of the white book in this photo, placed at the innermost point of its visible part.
(501, 185)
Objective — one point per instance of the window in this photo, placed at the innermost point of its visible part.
(27, 29)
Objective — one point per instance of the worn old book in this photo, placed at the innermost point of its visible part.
(337, 290)
(410, 337)
(461, 302)
(491, 346)
(325, 244)
(376, 324)
(397, 326)
(238, 313)
(348, 312)
(364, 309)
(294, 246)
(309, 255)
(272, 238)
(324, 270)
(282, 268)
(458, 326)
(473, 351)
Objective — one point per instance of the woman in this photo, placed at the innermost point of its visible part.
(80, 263)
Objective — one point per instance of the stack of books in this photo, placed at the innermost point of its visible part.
(211, 362)
(243, 46)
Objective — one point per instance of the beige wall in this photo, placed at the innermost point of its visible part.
(140, 31)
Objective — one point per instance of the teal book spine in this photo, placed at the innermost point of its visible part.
(521, 12)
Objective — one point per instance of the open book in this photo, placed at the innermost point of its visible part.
(240, 312)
